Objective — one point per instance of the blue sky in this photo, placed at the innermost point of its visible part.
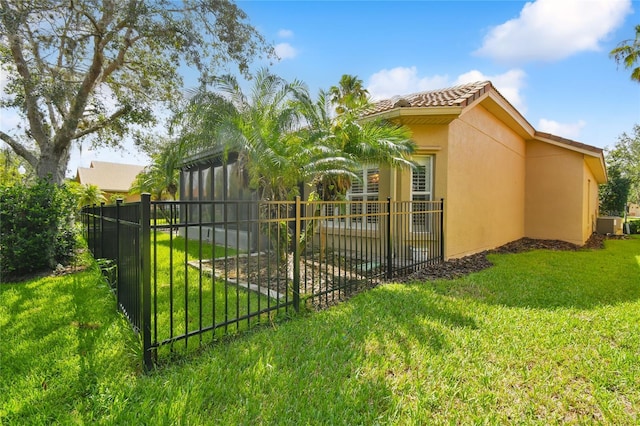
(549, 58)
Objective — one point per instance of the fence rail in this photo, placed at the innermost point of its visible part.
(189, 271)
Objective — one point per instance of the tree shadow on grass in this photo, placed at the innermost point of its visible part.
(548, 279)
(56, 338)
(338, 365)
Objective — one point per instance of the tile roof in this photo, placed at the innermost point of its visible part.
(462, 96)
(459, 96)
(569, 142)
(110, 177)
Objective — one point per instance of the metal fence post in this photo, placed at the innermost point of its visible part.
(92, 229)
(101, 229)
(442, 229)
(389, 245)
(118, 204)
(145, 277)
(296, 257)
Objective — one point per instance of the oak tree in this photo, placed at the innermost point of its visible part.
(101, 70)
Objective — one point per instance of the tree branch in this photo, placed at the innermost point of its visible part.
(19, 149)
(34, 115)
(70, 125)
(102, 124)
(119, 60)
(44, 69)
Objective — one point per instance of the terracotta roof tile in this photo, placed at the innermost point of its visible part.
(460, 96)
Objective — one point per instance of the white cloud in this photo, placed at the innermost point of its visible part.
(285, 33)
(509, 84)
(565, 130)
(405, 80)
(402, 81)
(549, 30)
(285, 51)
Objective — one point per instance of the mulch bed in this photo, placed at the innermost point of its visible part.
(456, 268)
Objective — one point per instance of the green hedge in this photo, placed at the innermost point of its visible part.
(634, 226)
(37, 228)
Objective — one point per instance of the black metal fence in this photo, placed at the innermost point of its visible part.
(185, 272)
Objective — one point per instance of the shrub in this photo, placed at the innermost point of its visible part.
(634, 226)
(37, 227)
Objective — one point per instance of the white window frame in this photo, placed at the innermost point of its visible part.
(422, 191)
(364, 190)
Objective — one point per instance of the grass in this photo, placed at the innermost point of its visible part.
(197, 249)
(541, 338)
(196, 300)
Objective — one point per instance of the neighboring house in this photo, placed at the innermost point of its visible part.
(111, 178)
(634, 210)
(501, 180)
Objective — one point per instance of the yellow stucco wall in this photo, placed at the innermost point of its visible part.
(430, 140)
(128, 198)
(591, 204)
(486, 181)
(501, 182)
(556, 208)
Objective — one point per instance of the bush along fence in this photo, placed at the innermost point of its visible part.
(188, 272)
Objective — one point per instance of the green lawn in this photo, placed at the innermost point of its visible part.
(200, 303)
(541, 338)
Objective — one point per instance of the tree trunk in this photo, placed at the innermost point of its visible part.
(53, 165)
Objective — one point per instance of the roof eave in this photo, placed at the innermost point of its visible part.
(594, 157)
(419, 115)
(505, 112)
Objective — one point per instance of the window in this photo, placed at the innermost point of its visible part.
(195, 195)
(365, 190)
(205, 195)
(422, 194)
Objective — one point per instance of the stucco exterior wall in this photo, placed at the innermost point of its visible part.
(554, 202)
(486, 183)
(590, 203)
(127, 197)
(430, 140)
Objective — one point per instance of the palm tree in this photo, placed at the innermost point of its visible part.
(344, 141)
(348, 141)
(261, 126)
(628, 53)
(348, 94)
(89, 195)
(264, 132)
(162, 177)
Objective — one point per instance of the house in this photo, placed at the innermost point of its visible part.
(501, 179)
(112, 178)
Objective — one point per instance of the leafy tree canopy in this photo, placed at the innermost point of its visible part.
(623, 164)
(625, 156)
(98, 69)
(13, 169)
(614, 195)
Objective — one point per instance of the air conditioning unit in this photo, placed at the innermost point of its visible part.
(609, 225)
